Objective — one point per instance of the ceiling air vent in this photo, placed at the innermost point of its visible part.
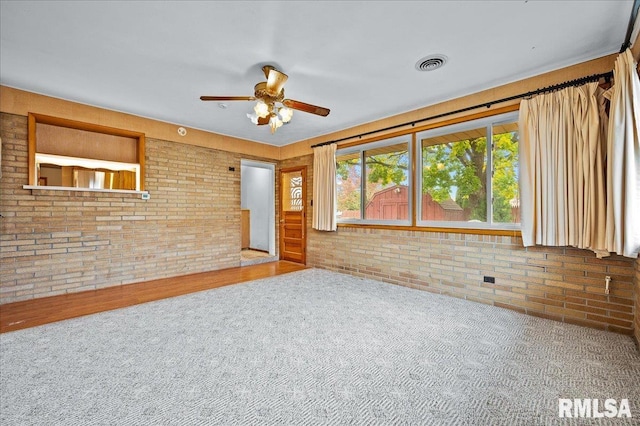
(431, 63)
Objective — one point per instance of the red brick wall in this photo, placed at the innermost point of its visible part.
(54, 242)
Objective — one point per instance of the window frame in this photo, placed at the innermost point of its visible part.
(34, 119)
(488, 123)
(506, 114)
(361, 149)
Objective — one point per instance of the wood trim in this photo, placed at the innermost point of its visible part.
(476, 231)
(141, 158)
(434, 125)
(20, 102)
(303, 172)
(414, 180)
(81, 125)
(31, 138)
(293, 169)
(35, 118)
(45, 310)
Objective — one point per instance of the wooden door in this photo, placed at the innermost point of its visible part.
(292, 214)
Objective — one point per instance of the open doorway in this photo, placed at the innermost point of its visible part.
(257, 195)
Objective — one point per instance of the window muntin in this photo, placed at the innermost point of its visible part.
(380, 191)
(454, 184)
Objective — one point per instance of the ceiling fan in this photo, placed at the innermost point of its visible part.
(272, 108)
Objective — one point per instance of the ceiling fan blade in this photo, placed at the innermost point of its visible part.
(275, 80)
(263, 120)
(301, 106)
(227, 98)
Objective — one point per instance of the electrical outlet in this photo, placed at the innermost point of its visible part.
(489, 280)
(146, 196)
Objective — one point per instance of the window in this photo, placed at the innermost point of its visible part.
(461, 180)
(465, 182)
(380, 191)
(70, 154)
(349, 172)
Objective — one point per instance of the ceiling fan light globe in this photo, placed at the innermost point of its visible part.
(275, 123)
(261, 109)
(253, 118)
(285, 114)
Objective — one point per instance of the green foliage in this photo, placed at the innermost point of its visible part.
(382, 170)
(345, 168)
(505, 175)
(455, 170)
(387, 169)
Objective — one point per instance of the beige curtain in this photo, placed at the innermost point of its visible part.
(324, 188)
(623, 160)
(562, 169)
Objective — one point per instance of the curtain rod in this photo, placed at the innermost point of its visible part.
(577, 82)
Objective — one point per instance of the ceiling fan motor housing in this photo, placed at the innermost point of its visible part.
(261, 92)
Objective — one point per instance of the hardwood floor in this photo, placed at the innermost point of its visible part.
(30, 313)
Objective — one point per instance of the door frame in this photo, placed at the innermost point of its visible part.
(303, 172)
(272, 201)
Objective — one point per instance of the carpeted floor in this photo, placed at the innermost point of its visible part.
(306, 348)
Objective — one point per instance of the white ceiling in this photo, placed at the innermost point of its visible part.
(155, 59)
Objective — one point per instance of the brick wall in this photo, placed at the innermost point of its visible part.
(54, 242)
(562, 284)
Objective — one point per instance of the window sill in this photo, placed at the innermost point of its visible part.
(449, 230)
(71, 188)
